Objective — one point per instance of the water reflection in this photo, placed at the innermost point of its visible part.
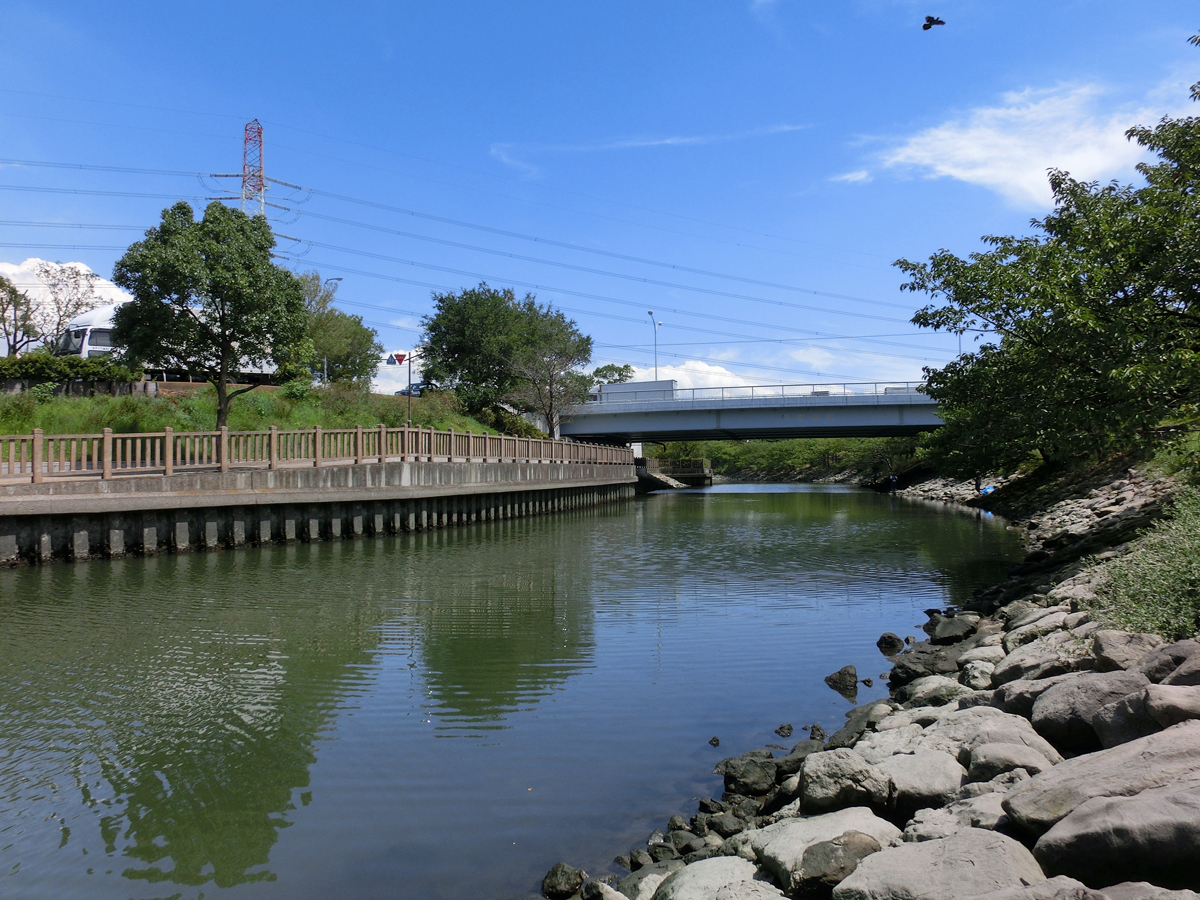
(290, 721)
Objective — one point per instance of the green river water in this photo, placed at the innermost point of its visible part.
(441, 715)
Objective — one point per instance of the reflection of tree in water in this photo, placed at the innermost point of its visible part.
(512, 617)
(188, 722)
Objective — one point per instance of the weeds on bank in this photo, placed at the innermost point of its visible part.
(1156, 586)
(288, 408)
(800, 458)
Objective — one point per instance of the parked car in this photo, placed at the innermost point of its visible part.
(415, 390)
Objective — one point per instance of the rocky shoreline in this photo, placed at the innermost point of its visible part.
(1025, 753)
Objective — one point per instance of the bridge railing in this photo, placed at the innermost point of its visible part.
(762, 392)
(39, 456)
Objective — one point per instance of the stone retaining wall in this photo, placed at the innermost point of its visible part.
(212, 510)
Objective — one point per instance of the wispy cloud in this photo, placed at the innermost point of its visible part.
(1008, 148)
(860, 176)
(514, 154)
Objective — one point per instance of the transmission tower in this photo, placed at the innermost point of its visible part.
(254, 183)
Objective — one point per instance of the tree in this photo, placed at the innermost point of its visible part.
(344, 349)
(612, 374)
(549, 382)
(207, 299)
(470, 343)
(17, 327)
(70, 291)
(1094, 320)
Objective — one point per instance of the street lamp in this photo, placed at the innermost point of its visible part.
(650, 313)
(325, 359)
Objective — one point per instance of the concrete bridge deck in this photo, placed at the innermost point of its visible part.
(875, 409)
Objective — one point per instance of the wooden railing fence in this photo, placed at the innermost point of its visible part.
(39, 456)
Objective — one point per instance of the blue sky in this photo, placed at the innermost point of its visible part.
(797, 148)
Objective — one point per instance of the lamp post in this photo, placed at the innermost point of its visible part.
(325, 359)
(650, 313)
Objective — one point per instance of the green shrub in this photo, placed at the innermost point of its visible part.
(43, 392)
(1156, 586)
(44, 367)
(296, 390)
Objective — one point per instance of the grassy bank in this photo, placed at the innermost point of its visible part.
(288, 408)
(806, 459)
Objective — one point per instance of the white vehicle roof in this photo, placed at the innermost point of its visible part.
(100, 317)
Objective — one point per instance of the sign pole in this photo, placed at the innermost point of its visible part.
(410, 389)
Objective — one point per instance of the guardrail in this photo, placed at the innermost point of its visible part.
(759, 392)
(39, 456)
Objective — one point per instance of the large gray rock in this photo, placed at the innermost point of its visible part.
(1034, 630)
(1017, 697)
(701, 880)
(1121, 649)
(877, 746)
(977, 674)
(1063, 714)
(1170, 757)
(748, 775)
(933, 690)
(961, 731)
(1124, 720)
(985, 811)
(828, 863)
(923, 779)
(964, 865)
(1160, 663)
(749, 890)
(990, 760)
(562, 881)
(642, 884)
(1054, 654)
(598, 890)
(835, 779)
(1170, 704)
(952, 629)
(992, 653)
(1188, 672)
(789, 765)
(1057, 888)
(1151, 835)
(781, 847)
(1143, 890)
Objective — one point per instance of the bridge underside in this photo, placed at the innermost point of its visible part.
(884, 420)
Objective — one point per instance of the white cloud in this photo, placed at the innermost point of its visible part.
(391, 378)
(506, 153)
(693, 373)
(1008, 148)
(25, 277)
(859, 177)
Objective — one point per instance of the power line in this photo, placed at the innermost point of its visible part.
(409, 262)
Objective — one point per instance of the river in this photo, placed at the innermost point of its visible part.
(440, 715)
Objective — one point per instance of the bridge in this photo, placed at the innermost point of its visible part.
(659, 411)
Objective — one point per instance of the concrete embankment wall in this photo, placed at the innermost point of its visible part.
(212, 510)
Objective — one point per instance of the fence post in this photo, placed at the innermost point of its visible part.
(273, 448)
(168, 450)
(382, 443)
(316, 446)
(223, 448)
(37, 456)
(106, 447)
(358, 454)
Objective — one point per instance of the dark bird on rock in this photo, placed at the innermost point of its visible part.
(930, 21)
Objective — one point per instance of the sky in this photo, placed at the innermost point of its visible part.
(746, 170)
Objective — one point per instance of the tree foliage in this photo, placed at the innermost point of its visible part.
(17, 327)
(1093, 323)
(70, 290)
(549, 381)
(612, 374)
(344, 350)
(489, 347)
(209, 300)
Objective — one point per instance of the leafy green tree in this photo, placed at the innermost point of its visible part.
(1093, 323)
(612, 374)
(17, 326)
(470, 342)
(549, 380)
(209, 300)
(344, 349)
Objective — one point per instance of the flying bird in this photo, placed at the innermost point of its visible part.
(930, 21)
